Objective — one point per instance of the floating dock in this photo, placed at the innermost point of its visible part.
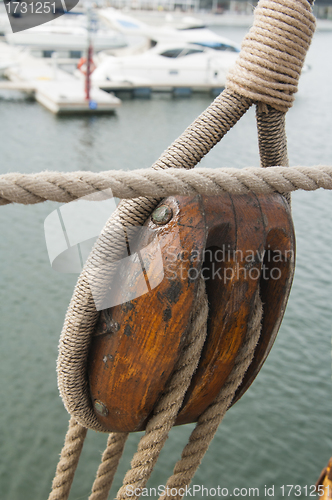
(69, 97)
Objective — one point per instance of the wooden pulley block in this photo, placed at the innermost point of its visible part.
(239, 245)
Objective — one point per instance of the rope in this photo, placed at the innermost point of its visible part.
(273, 53)
(272, 140)
(210, 419)
(167, 408)
(159, 183)
(109, 464)
(69, 458)
(205, 132)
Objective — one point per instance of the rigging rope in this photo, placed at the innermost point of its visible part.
(68, 462)
(65, 187)
(169, 405)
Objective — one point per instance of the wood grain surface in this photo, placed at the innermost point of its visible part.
(239, 244)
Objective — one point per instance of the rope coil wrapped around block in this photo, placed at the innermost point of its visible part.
(81, 316)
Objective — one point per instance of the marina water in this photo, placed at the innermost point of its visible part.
(279, 433)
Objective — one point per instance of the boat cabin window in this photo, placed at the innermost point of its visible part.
(75, 54)
(225, 47)
(192, 51)
(173, 53)
(196, 27)
(47, 53)
(218, 46)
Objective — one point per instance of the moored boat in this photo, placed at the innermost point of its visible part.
(169, 65)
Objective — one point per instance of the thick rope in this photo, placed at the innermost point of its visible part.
(167, 409)
(69, 458)
(273, 53)
(159, 183)
(272, 139)
(109, 464)
(205, 132)
(210, 419)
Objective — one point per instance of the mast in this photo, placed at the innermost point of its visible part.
(89, 53)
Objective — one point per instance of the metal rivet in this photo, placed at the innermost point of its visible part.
(101, 408)
(162, 215)
(114, 326)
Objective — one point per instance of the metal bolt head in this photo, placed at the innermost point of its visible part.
(162, 215)
(101, 408)
(114, 326)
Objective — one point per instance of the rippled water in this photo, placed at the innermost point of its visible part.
(280, 431)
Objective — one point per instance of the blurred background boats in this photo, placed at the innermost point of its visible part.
(128, 55)
(42, 58)
(68, 35)
(185, 57)
(134, 51)
(185, 29)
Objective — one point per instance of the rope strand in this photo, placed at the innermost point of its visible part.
(68, 462)
(211, 418)
(109, 464)
(167, 408)
(26, 188)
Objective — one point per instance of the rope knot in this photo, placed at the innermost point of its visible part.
(273, 53)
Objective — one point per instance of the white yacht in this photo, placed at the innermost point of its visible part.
(190, 30)
(3, 66)
(7, 57)
(167, 65)
(68, 33)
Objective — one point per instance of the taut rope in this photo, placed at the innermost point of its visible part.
(167, 408)
(210, 419)
(69, 458)
(65, 187)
